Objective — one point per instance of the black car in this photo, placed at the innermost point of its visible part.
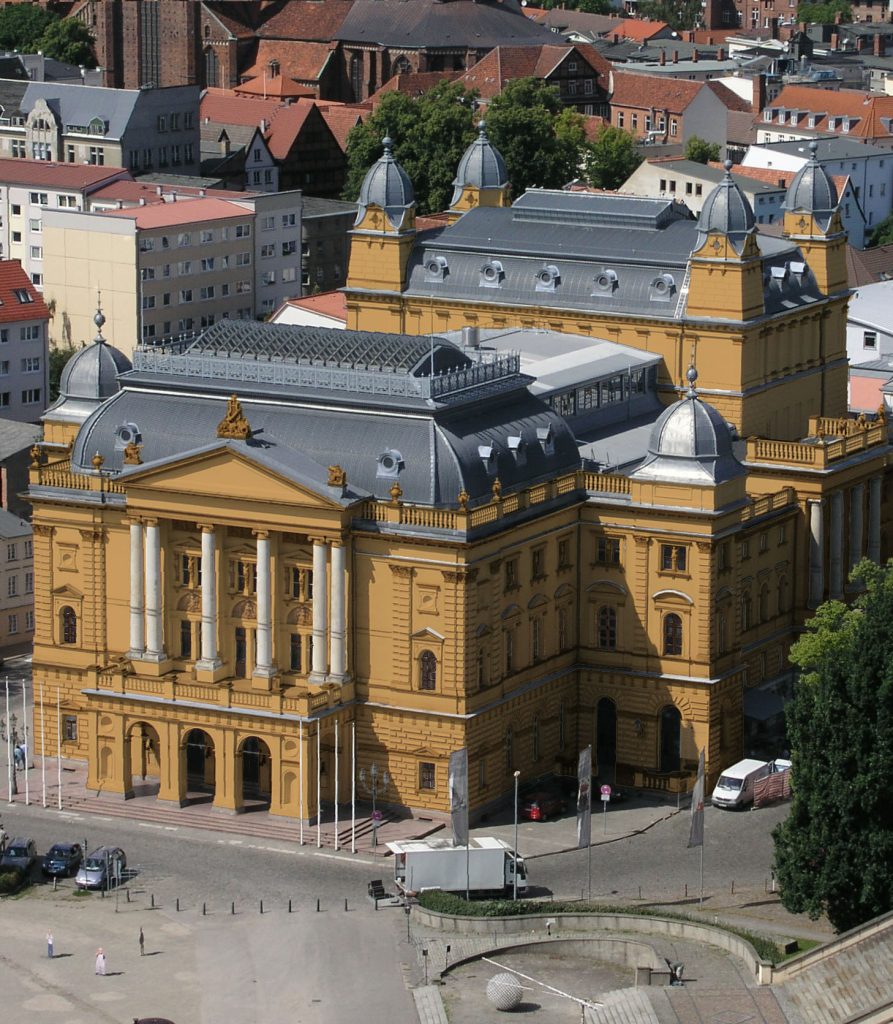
(63, 860)
(21, 853)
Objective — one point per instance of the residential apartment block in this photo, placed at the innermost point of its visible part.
(801, 112)
(170, 268)
(24, 372)
(141, 129)
(16, 581)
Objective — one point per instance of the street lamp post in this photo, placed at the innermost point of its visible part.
(515, 872)
(371, 784)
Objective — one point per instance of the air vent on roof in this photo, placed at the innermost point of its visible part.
(605, 282)
(492, 274)
(517, 448)
(487, 453)
(662, 287)
(548, 278)
(390, 463)
(546, 439)
(127, 433)
(436, 268)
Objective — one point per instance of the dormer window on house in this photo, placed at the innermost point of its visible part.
(436, 268)
(605, 283)
(845, 126)
(23, 295)
(487, 455)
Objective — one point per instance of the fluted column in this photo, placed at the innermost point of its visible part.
(874, 518)
(210, 659)
(264, 648)
(320, 609)
(338, 631)
(835, 540)
(137, 593)
(154, 621)
(816, 553)
(857, 521)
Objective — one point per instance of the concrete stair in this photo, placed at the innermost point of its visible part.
(854, 979)
(623, 1006)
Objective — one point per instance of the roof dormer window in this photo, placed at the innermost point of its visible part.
(547, 278)
(605, 283)
(546, 439)
(487, 454)
(492, 275)
(23, 295)
(436, 268)
(517, 449)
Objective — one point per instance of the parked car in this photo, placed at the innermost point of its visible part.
(63, 860)
(541, 806)
(20, 853)
(102, 869)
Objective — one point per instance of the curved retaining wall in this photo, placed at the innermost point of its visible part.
(663, 927)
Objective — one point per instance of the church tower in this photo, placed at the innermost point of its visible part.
(384, 231)
(726, 266)
(481, 178)
(812, 220)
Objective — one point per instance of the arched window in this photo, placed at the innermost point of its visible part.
(69, 626)
(402, 66)
(356, 76)
(607, 628)
(212, 68)
(536, 639)
(672, 634)
(782, 595)
(746, 612)
(427, 671)
(764, 603)
(722, 639)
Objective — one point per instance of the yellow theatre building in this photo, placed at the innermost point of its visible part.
(265, 546)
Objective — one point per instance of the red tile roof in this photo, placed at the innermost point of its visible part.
(73, 176)
(234, 27)
(303, 61)
(651, 91)
(731, 100)
(507, 63)
(414, 83)
(12, 309)
(280, 87)
(333, 304)
(223, 106)
(865, 109)
(191, 211)
(341, 118)
(775, 176)
(307, 19)
(641, 31)
(286, 127)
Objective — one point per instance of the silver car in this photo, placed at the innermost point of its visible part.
(102, 869)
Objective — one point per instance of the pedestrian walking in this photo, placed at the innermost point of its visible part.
(142, 943)
(100, 961)
(50, 945)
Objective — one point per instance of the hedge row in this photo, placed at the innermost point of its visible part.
(11, 880)
(451, 904)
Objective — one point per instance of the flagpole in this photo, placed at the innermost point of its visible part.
(59, 745)
(589, 844)
(25, 734)
(301, 780)
(336, 785)
(701, 901)
(353, 786)
(318, 785)
(10, 768)
(43, 752)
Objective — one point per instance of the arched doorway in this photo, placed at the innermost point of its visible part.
(256, 770)
(606, 739)
(145, 758)
(200, 765)
(670, 739)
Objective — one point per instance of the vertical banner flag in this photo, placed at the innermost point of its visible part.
(584, 798)
(696, 836)
(459, 796)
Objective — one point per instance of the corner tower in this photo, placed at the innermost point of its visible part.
(481, 178)
(726, 266)
(384, 230)
(812, 220)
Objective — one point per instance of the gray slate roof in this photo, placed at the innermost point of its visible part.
(77, 104)
(11, 526)
(15, 436)
(428, 24)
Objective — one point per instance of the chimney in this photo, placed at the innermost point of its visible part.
(675, 56)
(694, 56)
(691, 35)
(879, 47)
(159, 191)
(616, 38)
(720, 54)
(758, 96)
(835, 38)
(263, 125)
(142, 200)
(710, 40)
(663, 57)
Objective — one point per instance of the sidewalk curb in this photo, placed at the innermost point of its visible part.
(607, 842)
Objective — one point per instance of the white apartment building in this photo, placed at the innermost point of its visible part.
(24, 366)
(169, 268)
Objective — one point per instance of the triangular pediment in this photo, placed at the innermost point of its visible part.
(229, 473)
(68, 591)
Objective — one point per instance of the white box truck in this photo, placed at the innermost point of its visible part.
(734, 788)
(435, 863)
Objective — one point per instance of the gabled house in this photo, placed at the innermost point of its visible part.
(579, 72)
(800, 112)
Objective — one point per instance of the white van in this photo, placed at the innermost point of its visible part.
(734, 788)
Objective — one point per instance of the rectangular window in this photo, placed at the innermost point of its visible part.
(289, 274)
(186, 639)
(509, 651)
(184, 267)
(31, 396)
(764, 540)
(13, 623)
(185, 295)
(206, 237)
(39, 198)
(29, 621)
(511, 574)
(12, 586)
(672, 558)
(208, 263)
(288, 220)
(4, 368)
(29, 549)
(148, 302)
(745, 549)
(31, 364)
(30, 333)
(268, 277)
(243, 259)
(869, 339)
(620, 118)
(97, 156)
(267, 251)
(607, 551)
(538, 563)
(29, 582)
(295, 662)
(4, 399)
(10, 552)
(184, 239)
(426, 775)
(71, 728)
(243, 231)
(268, 223)
(564, 553)
(147, 274)
(207, 292)
(289, 248)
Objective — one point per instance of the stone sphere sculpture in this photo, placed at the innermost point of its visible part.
(504, 991)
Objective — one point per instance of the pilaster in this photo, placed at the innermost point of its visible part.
(401, 618)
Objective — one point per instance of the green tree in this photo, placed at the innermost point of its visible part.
(700, 150)
(612, 158)
(22, 26)
(834, 852)
(68, 40)
(595, 7)
(883, 233)
(678, 14)
(58, 356)
(825, 14)
(543, 142)
(430, 135)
